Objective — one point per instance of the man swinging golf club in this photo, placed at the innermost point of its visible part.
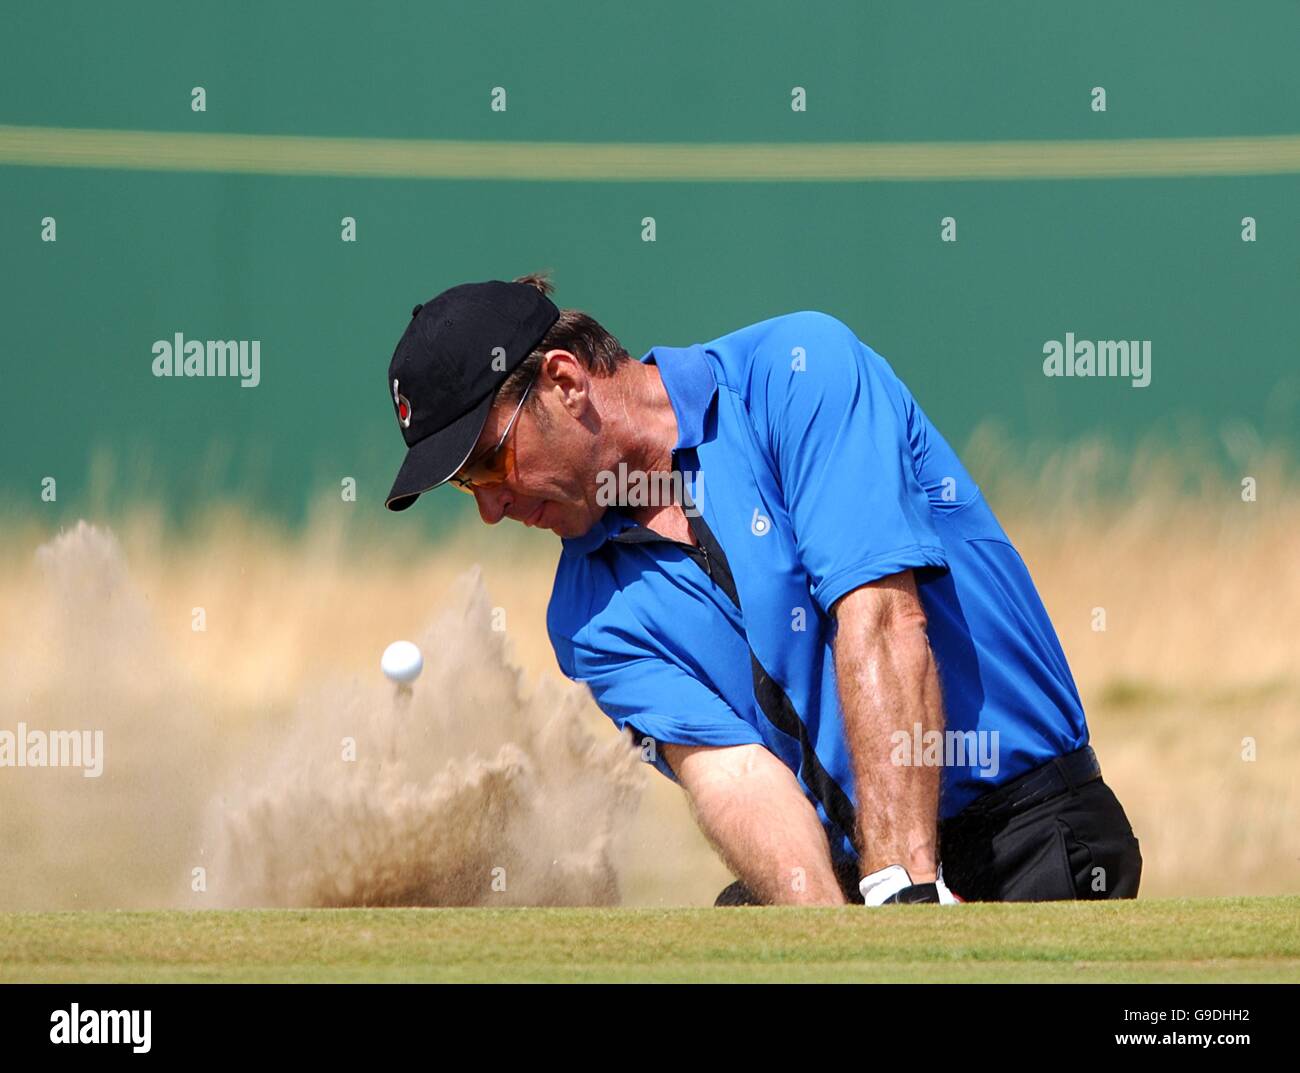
(823, 635)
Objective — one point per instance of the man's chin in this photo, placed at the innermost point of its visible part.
(569, 528)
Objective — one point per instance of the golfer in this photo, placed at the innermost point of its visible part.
(779, 579)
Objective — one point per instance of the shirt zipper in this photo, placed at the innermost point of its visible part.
(657, 538)
(708, 563)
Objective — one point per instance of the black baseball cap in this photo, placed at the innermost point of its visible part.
(458, 349)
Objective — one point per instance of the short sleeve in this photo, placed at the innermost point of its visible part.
(837, 424)
(655, 698)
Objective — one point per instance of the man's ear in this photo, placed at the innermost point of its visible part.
(565, 376)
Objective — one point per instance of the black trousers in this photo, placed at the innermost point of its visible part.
(1056, 833)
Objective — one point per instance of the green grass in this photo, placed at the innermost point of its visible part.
(1227, 939)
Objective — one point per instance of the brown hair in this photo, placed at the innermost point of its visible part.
(582, 336)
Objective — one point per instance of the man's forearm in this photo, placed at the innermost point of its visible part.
(889, 682)
(752, 811)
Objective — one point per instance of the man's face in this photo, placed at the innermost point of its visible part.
(557, 453)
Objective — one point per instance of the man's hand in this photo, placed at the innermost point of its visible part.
(750, 807)
(889, 683)
(893, 886)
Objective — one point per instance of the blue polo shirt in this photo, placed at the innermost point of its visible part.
(816, 472)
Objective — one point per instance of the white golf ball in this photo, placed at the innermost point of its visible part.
(402, 661)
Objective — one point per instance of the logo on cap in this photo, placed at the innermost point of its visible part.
(403, 405)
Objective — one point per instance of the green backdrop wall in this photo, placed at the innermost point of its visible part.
(143, 253)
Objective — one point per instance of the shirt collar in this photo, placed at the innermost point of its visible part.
(691, 385)
(613, 521)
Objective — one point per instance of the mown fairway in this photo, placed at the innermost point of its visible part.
(1230, 939)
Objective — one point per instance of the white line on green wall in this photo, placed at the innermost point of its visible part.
(274, 154)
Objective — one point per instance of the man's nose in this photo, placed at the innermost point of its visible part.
(492, 503)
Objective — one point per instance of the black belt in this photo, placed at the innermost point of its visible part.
(1057, 776)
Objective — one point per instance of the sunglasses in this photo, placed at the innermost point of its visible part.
(493, 466)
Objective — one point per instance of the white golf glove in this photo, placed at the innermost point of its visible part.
(892, 886)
